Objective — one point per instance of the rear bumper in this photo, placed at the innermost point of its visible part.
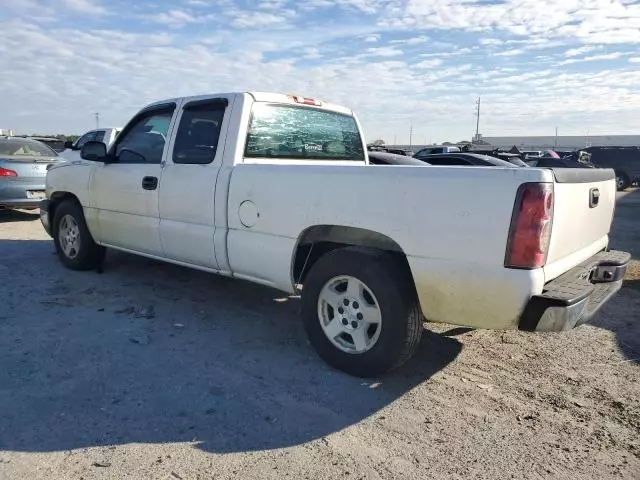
(44, 215)
(17, 194)
(574, 297)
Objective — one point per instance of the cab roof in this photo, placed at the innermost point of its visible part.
(292, 99)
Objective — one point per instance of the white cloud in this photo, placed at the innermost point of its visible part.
(604, 56)
(591, 21)
(491, 41)
(315, 49)
(372, 38)
(384, 52)
(173, 18)
(366, 6)
(594, 58)
(419, 40)
(245, 19)
(574, 52)
(312, 54)
(272, 4)
(510, 53)
(85, 6)
(436, 62)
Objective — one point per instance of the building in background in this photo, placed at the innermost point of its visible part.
(6, 131)
(564, 142)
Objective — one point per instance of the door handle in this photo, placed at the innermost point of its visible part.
(150, 183)
(594, 197)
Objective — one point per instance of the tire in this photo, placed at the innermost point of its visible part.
(622, 181)
(388, 286)
(86, 254)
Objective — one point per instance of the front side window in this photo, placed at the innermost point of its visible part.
(198, 133)
(283, 131)
(144, 141)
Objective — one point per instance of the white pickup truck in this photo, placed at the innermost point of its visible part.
(105, 135)
(277, 190)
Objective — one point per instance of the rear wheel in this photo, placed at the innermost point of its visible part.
(361, 312)
(73, 241)
(622, 181)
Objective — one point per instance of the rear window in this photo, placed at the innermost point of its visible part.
(25, 148)
(302, 133)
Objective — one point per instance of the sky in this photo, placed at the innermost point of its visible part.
(399, 64)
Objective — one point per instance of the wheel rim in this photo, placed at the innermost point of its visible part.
(69, 236)
(620, 182)
(349, 314)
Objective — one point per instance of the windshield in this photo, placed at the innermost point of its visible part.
(302, 133)
(25, 148)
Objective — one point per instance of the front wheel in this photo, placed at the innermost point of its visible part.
(361, 312)
(73, 241)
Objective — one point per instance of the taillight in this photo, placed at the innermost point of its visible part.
(5, 172)
(530, 230)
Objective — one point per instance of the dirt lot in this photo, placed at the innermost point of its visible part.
(155, 371)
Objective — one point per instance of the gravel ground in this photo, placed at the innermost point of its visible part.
(154, 371)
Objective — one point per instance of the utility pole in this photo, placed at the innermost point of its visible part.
(411, 135)
(477, 137)
(97, 119)
(395, 138)
(556, 142)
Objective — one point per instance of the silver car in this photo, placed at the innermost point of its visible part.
(23, 170)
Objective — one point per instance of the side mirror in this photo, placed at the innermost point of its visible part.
(68, 144)
(94, 151)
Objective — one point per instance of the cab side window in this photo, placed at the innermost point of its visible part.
(144, 140)
(198, 133)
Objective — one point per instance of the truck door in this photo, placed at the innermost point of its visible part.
(188, 186)
(124, 191)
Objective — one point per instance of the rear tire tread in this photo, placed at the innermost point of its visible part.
(402, 326)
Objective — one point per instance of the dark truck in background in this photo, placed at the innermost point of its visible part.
(625, 161)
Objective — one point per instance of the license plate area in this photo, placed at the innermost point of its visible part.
(36, 194)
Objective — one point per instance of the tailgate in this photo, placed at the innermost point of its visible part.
(584, 201)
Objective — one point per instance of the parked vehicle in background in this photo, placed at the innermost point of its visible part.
(469, 159)
(56, 144)
(23, 170)
(396, 151)
(564, 162)
(625, 161)
(515, 158)
(436, 149)
(532, 153)
(104, 135)
(384, 158)
(276, 189)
